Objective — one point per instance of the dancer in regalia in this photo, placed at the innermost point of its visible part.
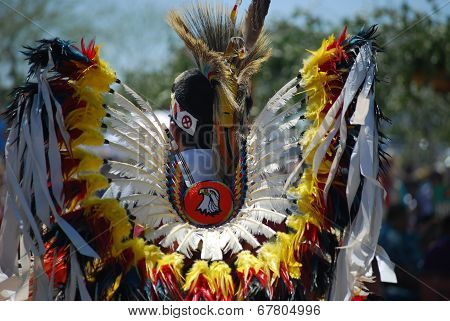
(220, 206)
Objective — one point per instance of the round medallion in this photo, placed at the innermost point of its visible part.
(208, 203)
(186, 121)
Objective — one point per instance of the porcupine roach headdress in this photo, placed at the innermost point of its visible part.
(123, 225)
(228, 54)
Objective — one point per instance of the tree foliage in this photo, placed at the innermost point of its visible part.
(22, 22)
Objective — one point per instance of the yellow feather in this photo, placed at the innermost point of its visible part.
(111, 210)
(85, 118)
(95, 182)
(281, 251)
(137, 246)
(269, 254)
(314, 81)
(245, 261)
(98, 76)
(197, 269)
(220, 274)
(88, 162)
(286, 244)
(110, 292)
(89, 95)
(152, 255)
(175, 262)
(90, 137)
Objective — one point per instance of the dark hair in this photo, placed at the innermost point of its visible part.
(195, 94)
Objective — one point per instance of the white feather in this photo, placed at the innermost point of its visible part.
(242, 233)
(129, 107)
(265, 191)
(279, 119)
(129, 126)
(260, 214)
(135, 200)
(136, 157)
(146, 106)
(278, 204)
(262, 179)
(271, 107)
(229, 242)
(278, 154)
(176, 234)
(135, 149)
(157, 219)
(134, 171)
(190, 243)
(211, 249)
(163, 230)
(133, 186)
(154, 208)
(255, 227)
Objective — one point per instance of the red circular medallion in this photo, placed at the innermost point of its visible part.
(186, 121)
(208, 203)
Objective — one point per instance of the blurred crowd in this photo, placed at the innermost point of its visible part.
(416, 230)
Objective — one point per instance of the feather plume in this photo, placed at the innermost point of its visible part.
(135, 200)
(125, 187)
(229, 242)
(156, 219)
(261, 214)
(256, 227)
(163, 230)
(133, 171)
(211, 249)
(190, 243)
(131, 126)
(176, 234)
(254, 21)
(154, 121)
(206, 33)
(244, 234)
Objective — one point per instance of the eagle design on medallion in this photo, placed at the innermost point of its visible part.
(210, 204)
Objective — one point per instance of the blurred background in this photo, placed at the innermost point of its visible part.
(413, 91)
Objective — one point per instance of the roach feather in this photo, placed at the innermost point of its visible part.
(254, 21)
